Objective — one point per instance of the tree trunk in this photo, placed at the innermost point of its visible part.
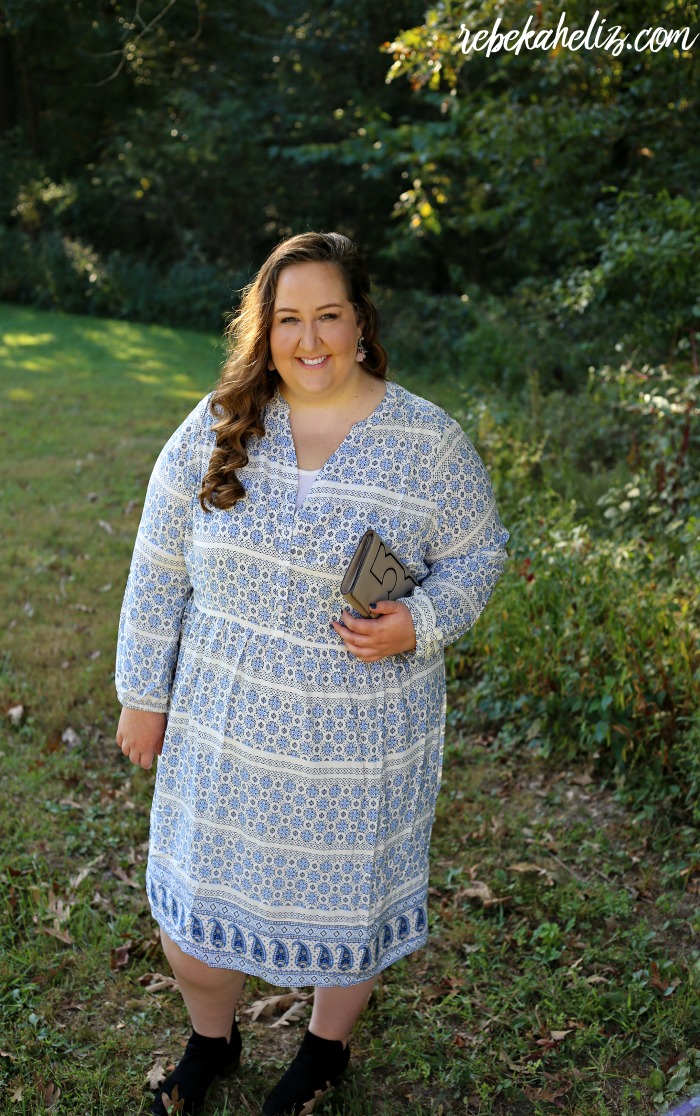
(8, 99)
(31, 119)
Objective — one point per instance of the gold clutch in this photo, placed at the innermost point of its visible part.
(375, 574)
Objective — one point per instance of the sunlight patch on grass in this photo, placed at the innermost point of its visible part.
(15, 339)
(20, 395)
(144, 378)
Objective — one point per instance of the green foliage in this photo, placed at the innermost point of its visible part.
(591, 643)
(563, 182)
(54, 271)
(648, 271)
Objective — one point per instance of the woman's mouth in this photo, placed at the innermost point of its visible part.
(314, 362)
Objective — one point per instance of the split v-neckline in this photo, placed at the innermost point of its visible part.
(281, 405)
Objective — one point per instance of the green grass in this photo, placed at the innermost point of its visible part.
(574, 990)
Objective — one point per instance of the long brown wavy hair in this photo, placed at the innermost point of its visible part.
(246, 383)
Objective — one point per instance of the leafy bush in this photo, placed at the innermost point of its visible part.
(583, 652)
(54, 271)
(590, 645)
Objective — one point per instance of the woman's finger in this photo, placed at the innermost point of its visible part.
(356, 623)
(355, 637)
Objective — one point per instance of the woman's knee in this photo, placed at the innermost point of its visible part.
(189, 968)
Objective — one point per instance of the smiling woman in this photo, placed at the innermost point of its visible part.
(315, 351)
(300, 744)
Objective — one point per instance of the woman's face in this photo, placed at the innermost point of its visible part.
(314, 332)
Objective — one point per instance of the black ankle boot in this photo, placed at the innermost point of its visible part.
(203, 1060)
(317, 1066)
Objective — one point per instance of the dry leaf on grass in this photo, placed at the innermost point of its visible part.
(273, 1005)
(75, 881)
(481, 891)
(48, 1092)
(15, 714)
(155, 1075)
(124, 877)
(62, 935)
(173, 1103)
(584, 779)
(526, 866)
(119, 956)
(153, 982)
(294, 1014)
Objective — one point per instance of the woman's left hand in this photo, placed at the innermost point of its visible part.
(391, 633)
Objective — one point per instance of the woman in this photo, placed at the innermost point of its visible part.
(300, 744)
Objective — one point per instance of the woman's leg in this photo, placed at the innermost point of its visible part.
(210, 995)
(336, 1010)
(324, 1052)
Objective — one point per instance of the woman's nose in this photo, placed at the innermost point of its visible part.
(309, 337)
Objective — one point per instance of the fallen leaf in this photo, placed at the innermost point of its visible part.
(48, 1092)
(62, 935)
(482, 892)
(105, 588)
(271, 1005)
(173, 1104)
(70, 737)
(153, 982)
(17, 1095)
(559, 1036)
(6, 1054)
(155, 1075)
(294, 1014)
(95, 654)
(75, 881)
(523, 866)
(15, 713)
(656, 981)
(119, 956)
(105, 526)
(597, 979)
(122, 875)
(583, 780)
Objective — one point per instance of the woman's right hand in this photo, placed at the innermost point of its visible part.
(140, 735)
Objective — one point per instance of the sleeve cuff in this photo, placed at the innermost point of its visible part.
(429, 637)
(145, 704)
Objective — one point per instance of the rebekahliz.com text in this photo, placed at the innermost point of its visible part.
(596, 37)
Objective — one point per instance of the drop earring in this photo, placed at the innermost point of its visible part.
(361, 350)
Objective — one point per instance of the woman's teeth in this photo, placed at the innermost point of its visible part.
(317, 360)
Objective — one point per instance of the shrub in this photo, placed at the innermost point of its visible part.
(590, 645)
(50, 271)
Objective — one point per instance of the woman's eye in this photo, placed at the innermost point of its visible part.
(284, 321)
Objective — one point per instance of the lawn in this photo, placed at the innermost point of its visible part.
(563, 969)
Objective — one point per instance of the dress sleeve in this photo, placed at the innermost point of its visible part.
(465, 548)
(158, 585)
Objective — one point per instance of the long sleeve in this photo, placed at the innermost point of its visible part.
(466, 548)
(158, 586)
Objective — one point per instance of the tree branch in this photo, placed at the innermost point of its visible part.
(145, 28)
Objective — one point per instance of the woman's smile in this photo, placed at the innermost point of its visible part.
(315, 330)
(313, 362)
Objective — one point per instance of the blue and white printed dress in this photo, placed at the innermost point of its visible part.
(295, 793)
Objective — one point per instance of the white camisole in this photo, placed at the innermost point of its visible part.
(306, 479)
